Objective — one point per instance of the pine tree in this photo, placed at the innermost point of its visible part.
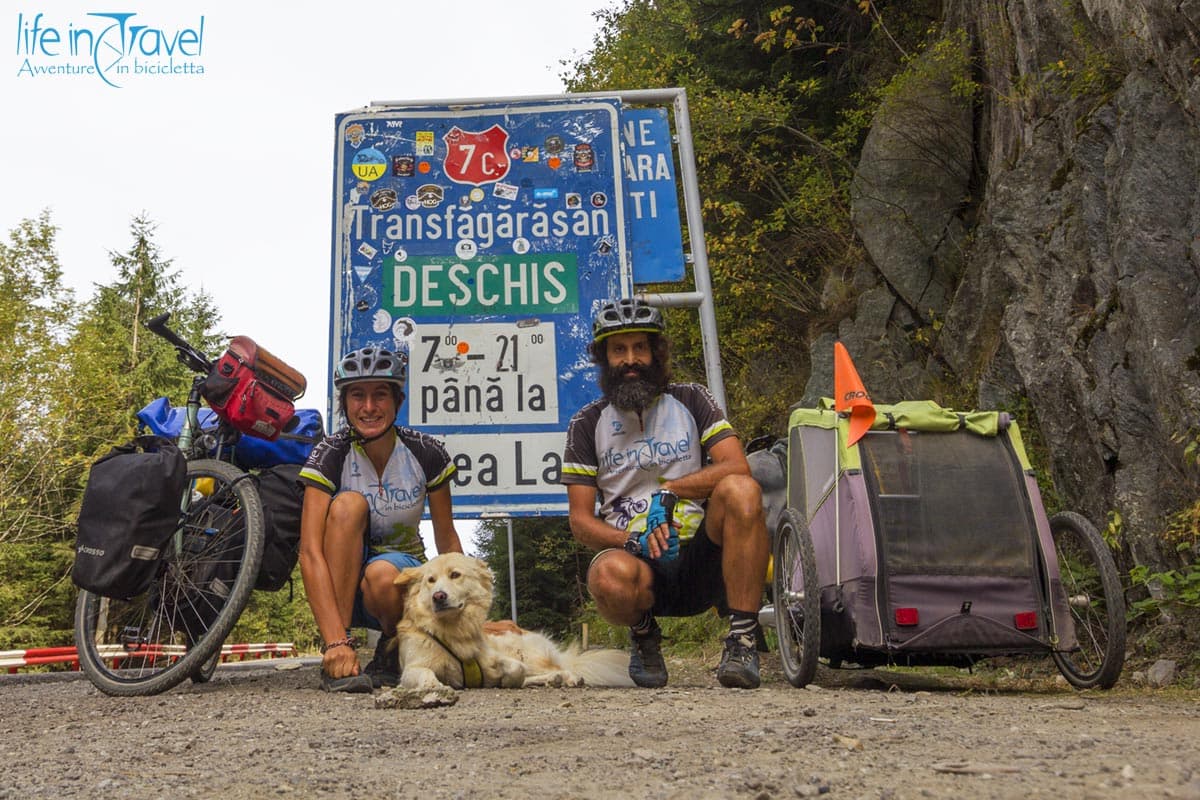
(116, 365)
(66, 396)
(551, 572)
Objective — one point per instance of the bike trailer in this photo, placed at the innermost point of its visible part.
(929, 534)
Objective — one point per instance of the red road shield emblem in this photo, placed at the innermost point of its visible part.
(476, 158)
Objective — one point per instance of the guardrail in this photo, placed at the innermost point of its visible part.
(13, 660)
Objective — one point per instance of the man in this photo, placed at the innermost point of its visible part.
(680, 523)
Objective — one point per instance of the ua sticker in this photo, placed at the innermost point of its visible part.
(369, 164)
(476, 157)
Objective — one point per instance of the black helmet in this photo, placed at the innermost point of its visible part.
(371, 364)
(626, 315)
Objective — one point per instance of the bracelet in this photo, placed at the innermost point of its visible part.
(349, 641)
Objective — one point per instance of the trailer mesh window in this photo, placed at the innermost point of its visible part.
(948, 503)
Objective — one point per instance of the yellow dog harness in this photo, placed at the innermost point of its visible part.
(472, 672)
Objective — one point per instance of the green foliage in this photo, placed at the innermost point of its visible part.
(1184, 525)
(1088, 72)
(775, 96)
(551, 570)
(68, 392)
(282, 616)
(34, 309)
(35, 592)
(1112, 531)
(1079, 70)
(701, 634)
(1169, 591)
(116, 365)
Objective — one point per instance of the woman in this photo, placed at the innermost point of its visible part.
(365, 491)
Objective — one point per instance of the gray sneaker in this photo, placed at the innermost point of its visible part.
(384, 666)
(739, 664)
(646, 665)
(352, 684)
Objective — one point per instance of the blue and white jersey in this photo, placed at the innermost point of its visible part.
(627, 455)
(417, 466)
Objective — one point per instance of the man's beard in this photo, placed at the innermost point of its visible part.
(632, 393)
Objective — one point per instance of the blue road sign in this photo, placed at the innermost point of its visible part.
(651, 196)
(480, 240)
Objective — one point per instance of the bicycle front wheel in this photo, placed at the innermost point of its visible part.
(150, 643)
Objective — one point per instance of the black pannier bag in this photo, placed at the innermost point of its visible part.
(209, 565)
(282, 497)
(131, 507)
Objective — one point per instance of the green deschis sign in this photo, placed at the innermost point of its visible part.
(543, 283)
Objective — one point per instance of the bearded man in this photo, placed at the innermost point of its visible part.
(680, 526)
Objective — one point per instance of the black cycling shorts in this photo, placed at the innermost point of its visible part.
(692, 583)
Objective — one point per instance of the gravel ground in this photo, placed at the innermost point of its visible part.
(266, 730)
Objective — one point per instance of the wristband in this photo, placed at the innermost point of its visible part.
(349, 641)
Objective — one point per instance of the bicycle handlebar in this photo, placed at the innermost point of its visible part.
(189, 356)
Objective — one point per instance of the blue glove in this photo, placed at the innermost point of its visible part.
(671, 552)
(662, 508)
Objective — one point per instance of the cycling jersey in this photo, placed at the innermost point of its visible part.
(627, 455)
(418, 465)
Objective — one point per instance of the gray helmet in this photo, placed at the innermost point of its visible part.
(626, 315)
(371, 364)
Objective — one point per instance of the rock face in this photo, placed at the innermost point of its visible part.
(1040, 243)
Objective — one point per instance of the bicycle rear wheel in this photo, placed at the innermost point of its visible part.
(150, 643)
(1096, 600)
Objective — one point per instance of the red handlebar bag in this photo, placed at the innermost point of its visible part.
(253, 390)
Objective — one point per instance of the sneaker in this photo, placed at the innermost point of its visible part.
(384, 666)
(739, 663)
(352, 684)
(646, 665)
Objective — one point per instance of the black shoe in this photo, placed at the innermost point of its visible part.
(646, 665)
(352, 684)
(739, 663)
(384, 667)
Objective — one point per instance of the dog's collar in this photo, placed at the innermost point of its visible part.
(472, 672)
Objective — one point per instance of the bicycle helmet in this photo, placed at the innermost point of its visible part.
(371, 364)
(626, 315)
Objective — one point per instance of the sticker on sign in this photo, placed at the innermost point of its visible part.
(483, 373)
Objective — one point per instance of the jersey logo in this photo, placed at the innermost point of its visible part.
(627, 508)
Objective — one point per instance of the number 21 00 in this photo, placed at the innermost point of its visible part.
(508, 361)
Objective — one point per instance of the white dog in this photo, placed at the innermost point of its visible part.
(442, 640)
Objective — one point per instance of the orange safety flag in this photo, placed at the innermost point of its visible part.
(850, 396)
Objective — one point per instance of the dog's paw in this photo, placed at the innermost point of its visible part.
(400, 697)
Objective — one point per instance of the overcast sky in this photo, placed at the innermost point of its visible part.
(235, 165)
(226, 142)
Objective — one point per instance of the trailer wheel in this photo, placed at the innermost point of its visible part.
(797, 599)
(1094, 595)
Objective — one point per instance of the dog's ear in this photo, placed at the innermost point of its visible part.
(483, 573)
(407, 576)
